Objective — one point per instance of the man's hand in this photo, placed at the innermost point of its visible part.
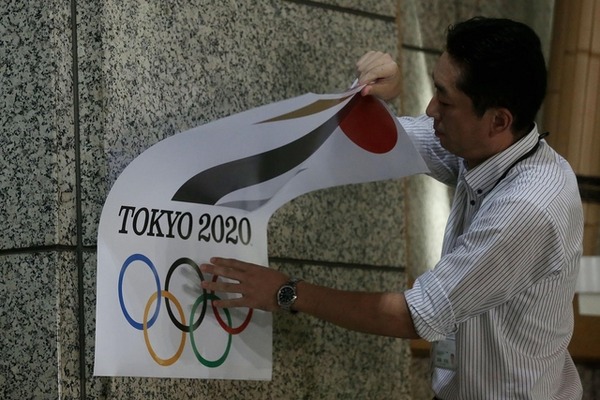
(381, 74)
(256, 285)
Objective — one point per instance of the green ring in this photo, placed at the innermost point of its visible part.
(205, 362)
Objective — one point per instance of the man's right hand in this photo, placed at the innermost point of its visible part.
(381, 74)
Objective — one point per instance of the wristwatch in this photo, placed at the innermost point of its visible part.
(286, 295)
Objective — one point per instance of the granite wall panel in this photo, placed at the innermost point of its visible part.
(36, 125)
(344, 224)
(38, 319)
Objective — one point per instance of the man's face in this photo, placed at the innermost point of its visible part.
(458, 128)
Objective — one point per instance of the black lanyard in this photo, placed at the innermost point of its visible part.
(523, 157)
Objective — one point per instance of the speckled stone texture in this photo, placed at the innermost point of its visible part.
(28, 325)
(36, 116)
(355, 224)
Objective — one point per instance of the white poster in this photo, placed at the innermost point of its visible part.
(210, 191)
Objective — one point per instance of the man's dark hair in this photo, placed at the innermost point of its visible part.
(502, 65)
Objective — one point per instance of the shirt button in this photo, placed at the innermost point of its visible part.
(479, 191)
(472, 202)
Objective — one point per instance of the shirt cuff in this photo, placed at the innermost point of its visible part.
(430, 308)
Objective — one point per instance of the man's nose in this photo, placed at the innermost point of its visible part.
(432, 109)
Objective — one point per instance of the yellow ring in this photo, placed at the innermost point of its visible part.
(161, 361)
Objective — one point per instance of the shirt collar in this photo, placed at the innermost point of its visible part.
(483, 177)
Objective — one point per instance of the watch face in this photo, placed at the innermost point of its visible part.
(286, 295)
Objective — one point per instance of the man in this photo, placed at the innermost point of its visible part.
(498, 305)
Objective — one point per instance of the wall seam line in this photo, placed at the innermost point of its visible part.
(346, 10)
(79, 248)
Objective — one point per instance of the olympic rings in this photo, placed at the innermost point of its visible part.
(144, 259)
(159, 360)
(180, 323)
(229, 329)
(216, 363)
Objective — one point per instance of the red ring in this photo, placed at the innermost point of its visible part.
(227, 328)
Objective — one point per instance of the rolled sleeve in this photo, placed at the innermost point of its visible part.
(430, 308)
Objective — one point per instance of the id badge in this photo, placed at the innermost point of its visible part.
(444, 353)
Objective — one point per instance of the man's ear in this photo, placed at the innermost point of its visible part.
(501, 121)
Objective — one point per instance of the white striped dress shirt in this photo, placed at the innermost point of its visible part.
(505, 282)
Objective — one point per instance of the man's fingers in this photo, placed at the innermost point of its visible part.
(378, 72)
(375, 65)
(233, 264)
(222, 287)
(227, 263)
(224, 267)
(230, 303)
(366, 59)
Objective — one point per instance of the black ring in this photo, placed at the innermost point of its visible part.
(179, 325)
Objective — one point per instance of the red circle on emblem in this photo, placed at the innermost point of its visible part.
(369, 125)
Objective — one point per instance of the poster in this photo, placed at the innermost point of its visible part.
(210, 191)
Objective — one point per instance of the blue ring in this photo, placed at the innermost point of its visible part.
(146, 260)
